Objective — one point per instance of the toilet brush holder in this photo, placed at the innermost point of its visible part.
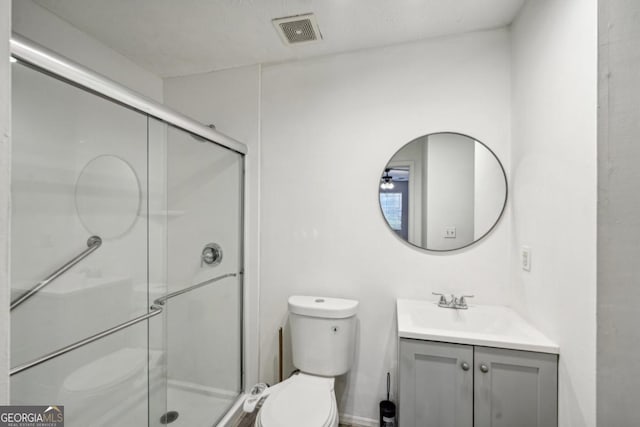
(387, 414)
(388, 408)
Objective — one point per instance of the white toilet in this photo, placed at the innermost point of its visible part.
(323, 338)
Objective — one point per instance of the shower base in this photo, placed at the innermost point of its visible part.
(198, 406)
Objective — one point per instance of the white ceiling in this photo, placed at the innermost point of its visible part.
(180, 37)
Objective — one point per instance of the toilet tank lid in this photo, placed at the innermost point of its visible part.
(332, 308)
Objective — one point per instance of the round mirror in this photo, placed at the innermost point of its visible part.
(107, 196)
(443, 191)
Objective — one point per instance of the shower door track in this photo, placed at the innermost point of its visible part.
(40, 57)
(156, 308)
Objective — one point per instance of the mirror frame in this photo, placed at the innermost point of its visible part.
(495, 223)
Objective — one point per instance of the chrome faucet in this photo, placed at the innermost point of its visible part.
(458, 303)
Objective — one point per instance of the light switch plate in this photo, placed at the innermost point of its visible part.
(525, 258)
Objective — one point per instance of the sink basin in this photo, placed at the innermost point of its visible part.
(484, 325)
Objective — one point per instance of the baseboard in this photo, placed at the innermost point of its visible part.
(354, 421)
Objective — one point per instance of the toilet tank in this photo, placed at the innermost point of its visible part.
(323, 334)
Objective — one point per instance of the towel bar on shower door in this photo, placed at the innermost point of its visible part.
(93, 243)
(156, 308)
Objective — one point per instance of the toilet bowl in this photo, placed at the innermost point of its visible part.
(322, 340)
(302, 400)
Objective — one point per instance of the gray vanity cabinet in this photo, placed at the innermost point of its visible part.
(515, 388)
(455, 385)
(436, 384)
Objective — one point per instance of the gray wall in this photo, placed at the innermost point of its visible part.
(317, 239)
(553, 188)
(618, 366)
(5, 174)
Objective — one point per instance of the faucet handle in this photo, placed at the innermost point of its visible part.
(443, 298)
(463, 299)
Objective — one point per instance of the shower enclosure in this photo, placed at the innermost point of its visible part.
(126, 253)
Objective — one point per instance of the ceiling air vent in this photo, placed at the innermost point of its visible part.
(298, 29)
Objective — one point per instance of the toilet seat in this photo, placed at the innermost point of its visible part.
(301, 400)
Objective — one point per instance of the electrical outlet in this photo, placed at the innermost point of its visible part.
(525, 258)
(449, 233)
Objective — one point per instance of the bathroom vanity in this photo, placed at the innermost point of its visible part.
(483, 366)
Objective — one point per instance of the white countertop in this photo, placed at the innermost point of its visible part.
(484, 325)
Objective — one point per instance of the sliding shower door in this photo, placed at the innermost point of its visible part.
(80, 176)
(204, 325)
(126, 258)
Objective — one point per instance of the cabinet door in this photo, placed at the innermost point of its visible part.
(515, 388)
(436, 384)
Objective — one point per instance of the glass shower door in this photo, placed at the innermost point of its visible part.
(79, 170)
(204, 325)
(145, 215)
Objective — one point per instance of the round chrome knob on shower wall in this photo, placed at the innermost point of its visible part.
(484, 368)
(212, 254)
(464, 366)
